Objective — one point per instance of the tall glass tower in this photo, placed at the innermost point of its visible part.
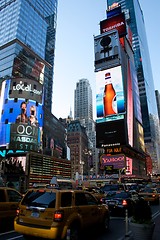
(83, 108)
(135, 20)
(27, 42)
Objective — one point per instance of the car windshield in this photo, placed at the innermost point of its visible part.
(39, 198)
(121, 195)
(148, 190)
(113, 187)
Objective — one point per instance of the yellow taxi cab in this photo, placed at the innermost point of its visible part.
(149, 194)
(9, 200)
(55, 213)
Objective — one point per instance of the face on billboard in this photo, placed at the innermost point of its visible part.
(107, 50)
(109, 95)
(21, 105)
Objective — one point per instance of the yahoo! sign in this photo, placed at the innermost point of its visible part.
(117, 161)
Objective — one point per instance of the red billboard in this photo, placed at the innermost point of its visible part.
(116, 22)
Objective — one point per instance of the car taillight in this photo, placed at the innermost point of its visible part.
(17, 212)
(58, 216)
(124, 203)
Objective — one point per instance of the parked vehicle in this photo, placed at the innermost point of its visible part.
(54, 213)
(119, 201)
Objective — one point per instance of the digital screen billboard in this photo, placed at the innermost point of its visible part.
(110, 101)
(115, 22)
(107, 50)
(21, 114)
(111, 133)
(117, 161)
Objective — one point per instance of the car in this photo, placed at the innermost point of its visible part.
(119, 201)
(109, 188)
(56, 213)
(97, 192)
(9, 201)
(149, 194)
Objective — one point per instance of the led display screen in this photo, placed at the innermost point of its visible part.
(111, 133)
(110, 102)
(21, 114)
(107, 50)
(117, 161)
(116, 22)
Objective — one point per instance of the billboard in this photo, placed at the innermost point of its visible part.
(107, 50)
(115, 22)
(116, 161)
(21, 114)
(110, 102)
(111, 133)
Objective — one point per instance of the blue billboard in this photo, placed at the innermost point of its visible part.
(21, 114)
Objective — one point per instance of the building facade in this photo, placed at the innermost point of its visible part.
(27, 41)
(27, 47)
(83, 111)
(135, 20)
(77, 141)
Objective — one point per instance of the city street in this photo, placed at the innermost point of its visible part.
(117, 231)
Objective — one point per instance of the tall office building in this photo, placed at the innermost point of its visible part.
(27, 42)
(135, 20)
(83, 108)
(27, 47)
(83, 111)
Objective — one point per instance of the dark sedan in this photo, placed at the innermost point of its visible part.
(119, 201)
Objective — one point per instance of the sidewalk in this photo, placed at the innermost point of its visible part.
(156, 234)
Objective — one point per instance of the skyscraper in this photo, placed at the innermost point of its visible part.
(27, 41)
(83, 100)
(135, 20)
(83, 111)
(27, 47)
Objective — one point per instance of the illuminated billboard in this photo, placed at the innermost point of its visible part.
(21, 114)
(116, 161)
(111, 133)
(110, 102)
(107, 50)
(115, 22)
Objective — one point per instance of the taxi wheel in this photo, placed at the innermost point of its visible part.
(73, 232)
(105, 224)
(26, 237)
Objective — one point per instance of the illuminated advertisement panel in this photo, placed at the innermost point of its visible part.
(117, 161)
(129, 106)
(21, 114)
(116, 22)
(128, 166)
(114, 11)
(111, 133)
(110, 102)
(107, 50)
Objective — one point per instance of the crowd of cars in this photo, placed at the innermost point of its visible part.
(55, 213)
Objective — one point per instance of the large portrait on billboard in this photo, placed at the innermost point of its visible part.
(107, 50)
(21, 114)
(110, 101)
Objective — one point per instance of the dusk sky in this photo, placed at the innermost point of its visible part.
(77, 23)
